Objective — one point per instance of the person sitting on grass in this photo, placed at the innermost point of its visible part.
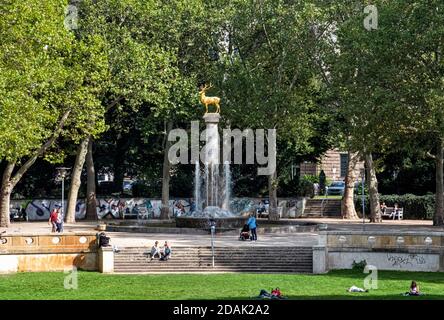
(414, 290)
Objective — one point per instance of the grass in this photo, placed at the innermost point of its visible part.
(93, 285)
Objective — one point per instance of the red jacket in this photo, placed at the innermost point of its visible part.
(53, 216)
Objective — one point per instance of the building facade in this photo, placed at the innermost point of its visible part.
(334, 163)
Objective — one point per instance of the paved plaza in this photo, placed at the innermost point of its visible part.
(129, 239)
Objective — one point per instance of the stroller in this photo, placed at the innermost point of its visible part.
(245, 233)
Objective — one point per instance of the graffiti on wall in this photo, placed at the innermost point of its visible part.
(405, 260)
(138, 208)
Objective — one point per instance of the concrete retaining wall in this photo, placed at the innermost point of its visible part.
(47, 262)
(402, 251)
(48, 252)
(385, 260)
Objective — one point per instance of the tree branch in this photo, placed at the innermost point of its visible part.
(25, 167)
(112, 104)
(430, 155)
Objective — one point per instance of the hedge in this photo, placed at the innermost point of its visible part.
(415, 207)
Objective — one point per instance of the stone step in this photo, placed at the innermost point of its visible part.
(272, 251)
(208, 258)
(260, 258)
(226, 259)
(217, 267)
(172, 261)
(211, 271)
(199, 262)
(209, 268)
(228, 253)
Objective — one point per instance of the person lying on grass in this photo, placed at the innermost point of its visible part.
(275, 294)
(356, 289)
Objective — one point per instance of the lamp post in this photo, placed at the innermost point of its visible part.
(363, 198)
(213, 230)
(62, 172)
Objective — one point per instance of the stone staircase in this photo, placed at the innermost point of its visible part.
(227, 259)
(322, 208)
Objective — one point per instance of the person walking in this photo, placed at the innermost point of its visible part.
(251, 222)
(53, 220)
(59, 222)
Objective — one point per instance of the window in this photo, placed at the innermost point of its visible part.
(344, 164)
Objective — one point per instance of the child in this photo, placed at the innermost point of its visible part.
(414, 290)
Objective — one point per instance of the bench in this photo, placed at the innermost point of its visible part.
(391, 214)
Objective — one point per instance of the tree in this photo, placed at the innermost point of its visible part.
(393, 88)
(268, 79)
(38, 90)
(348, 210)
(139, 72)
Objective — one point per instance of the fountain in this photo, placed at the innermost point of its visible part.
(212, 197)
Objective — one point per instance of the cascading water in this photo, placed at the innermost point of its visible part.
(197, 191)
(207, 186)
(211, 191)
(215, 181)
(227, 186)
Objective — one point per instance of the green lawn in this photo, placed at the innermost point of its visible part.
(92, 285)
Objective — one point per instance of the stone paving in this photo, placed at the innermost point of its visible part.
(127, 239)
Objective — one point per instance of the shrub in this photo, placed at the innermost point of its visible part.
(359, 266)
(140, 189)
(306, 188)
(310, 178)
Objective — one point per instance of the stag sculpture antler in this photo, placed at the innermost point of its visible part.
(209, 100)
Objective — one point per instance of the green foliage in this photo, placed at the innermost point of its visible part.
(298, 187)
(34, 48)
(311, 178)
(142, 189)
(359, 266)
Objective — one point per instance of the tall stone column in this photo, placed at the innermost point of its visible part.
(212, 158)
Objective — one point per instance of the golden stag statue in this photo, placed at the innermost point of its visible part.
(208, 100)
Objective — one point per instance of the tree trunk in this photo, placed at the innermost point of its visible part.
(438, 218)
(5, 195)
(348, 210)
(273, 213)
(165, 209)
(91, 201)
(76, 181)
(372, 184)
